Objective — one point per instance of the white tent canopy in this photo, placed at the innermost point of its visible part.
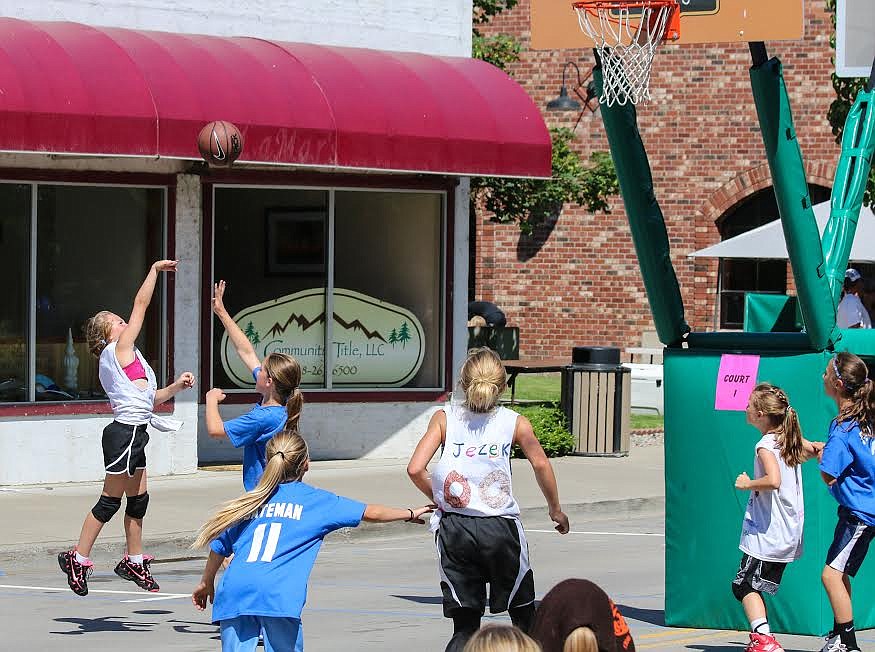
(767, 241)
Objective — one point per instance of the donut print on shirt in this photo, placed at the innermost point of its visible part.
(457, 490)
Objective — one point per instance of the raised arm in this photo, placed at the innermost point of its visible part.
(238, 338)
(124, 348)
(417, 468)
(524, 437)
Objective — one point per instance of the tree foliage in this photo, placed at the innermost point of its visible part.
(530, 201)
(846, 91)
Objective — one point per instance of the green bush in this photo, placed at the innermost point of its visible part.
(550, 428)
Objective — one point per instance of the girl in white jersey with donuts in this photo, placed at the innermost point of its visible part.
(478, 534)
(133, 394)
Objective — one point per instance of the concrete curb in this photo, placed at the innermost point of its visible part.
(176, 546)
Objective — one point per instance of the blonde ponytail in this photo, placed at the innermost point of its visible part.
(287, 458)
(96, 331)
(483, 379)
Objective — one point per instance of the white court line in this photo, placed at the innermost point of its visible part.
(607, 534)
(166, 596)
(163, 596)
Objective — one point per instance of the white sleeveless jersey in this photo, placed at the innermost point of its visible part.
(773, 520)
(472, 476)
(130, 404)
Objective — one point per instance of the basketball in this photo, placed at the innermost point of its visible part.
(220, 143)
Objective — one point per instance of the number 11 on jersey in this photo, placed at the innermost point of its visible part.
(273, 537)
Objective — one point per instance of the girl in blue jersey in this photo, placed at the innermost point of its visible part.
(277, 378)
(274, 533)
(847, 465)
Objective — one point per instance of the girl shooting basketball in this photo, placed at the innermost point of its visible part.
(131, 387)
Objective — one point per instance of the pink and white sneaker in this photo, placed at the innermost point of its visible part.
(763, 643)
(139, 574)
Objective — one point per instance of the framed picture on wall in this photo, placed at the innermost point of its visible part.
(294, 241)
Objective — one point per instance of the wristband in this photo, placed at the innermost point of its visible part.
(410, 520)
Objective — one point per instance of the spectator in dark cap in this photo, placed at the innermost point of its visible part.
(851, 313)
(488, 311)
(578, 616)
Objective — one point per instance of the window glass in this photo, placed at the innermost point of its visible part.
(94, 246)
(388, 280)
(15, 208)
(270, 248)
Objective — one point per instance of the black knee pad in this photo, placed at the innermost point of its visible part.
(106, 508)
(136, 507)
(742, 590)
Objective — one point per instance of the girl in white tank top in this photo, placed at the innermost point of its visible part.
(771, 533)
(133, 394)
(478, 535)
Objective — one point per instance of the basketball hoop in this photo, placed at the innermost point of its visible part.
(626, 34)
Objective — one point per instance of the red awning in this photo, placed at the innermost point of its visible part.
(67, 88)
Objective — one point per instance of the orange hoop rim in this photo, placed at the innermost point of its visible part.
(595, 5)
(672, 31)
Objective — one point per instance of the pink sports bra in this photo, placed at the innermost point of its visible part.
(135, 370)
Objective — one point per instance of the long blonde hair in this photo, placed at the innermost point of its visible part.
(772, 401)
(853, 375)
(501, 638)
(581, 639)
(287, 458)
(97, 330)
(483, 379)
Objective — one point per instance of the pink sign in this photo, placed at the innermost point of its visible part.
(735, 381)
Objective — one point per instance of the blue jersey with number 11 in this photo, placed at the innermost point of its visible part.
(275, 550)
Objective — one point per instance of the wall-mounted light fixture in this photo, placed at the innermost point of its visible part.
(564, 102)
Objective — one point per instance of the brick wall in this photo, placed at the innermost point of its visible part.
(577, 281)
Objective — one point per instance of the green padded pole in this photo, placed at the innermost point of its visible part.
(794, 204)
(858, 143)
(645, 218)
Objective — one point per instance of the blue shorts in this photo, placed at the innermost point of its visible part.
(850, 543)
(241, 634)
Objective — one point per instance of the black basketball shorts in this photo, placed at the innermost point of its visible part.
(124, 448)
(474, 551)
(761, 576)
(850, 543)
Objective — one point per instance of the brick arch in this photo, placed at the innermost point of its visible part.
(755, 179)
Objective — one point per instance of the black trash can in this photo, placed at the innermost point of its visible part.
(596, 396)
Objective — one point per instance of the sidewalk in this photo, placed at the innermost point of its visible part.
(43, 519)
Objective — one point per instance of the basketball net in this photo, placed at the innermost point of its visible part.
(626, 34)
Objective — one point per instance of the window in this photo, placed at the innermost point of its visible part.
(371, 259)
(738, 276)
(68, 251)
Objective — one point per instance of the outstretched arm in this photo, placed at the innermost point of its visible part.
(185, 381)
(124, 348)
(524, 437)
(384, 514)
(207, 588)
(238, 338)
(417, 469)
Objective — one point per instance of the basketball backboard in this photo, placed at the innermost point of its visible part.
(855, 37)
(555, 27)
